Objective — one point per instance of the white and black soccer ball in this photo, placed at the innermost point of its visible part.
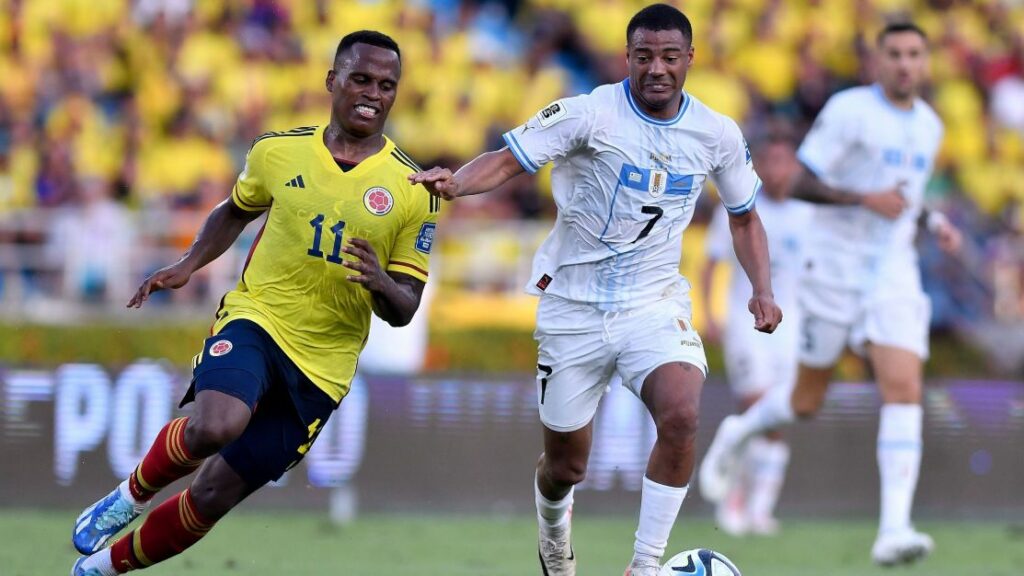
(699, 562)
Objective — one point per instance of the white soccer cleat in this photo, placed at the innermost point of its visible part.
(903, 547)
(555, 550)
(721, 464)
(767, 526)
(643, 566)
(100, 522)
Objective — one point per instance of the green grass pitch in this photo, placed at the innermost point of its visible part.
(263, 544)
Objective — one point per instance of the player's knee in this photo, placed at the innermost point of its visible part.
(678, 425)
(204, 437)
(567, 472)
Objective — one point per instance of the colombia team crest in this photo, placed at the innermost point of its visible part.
(220, 348)
(378, 201)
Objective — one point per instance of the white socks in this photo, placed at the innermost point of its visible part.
(767, 461)
(899, 460)
(773, 410)
(659, 506)
(100, 561)
(552, 513)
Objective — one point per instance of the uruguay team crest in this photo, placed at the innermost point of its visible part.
(659, 183)
(220, 348)
(378, 201)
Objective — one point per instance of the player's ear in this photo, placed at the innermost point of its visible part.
(330, 80)
(689, 57)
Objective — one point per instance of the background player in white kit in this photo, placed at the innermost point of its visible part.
(630, 160)
(863, 286)
(754, 361)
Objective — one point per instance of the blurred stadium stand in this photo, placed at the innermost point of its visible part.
(123, 122)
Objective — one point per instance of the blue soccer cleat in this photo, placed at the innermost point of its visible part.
(99, 522)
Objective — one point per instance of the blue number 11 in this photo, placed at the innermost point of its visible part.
(318, 230)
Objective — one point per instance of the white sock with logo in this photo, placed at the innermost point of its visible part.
(773, 410)
(899, 461)
(659, 507)
(100, 561)
(552, 513)
(768, 461)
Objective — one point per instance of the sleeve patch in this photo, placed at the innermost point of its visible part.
(425, 240)
(551, 114)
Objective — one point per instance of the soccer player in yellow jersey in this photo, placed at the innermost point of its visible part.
(345, 234)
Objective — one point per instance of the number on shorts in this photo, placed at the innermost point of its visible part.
(544, 380)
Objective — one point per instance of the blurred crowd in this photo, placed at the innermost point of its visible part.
(121, 111)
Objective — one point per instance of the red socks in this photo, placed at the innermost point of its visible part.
(168, 530)
(167, 460)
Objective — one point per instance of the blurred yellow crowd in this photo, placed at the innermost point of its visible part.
(162, 97)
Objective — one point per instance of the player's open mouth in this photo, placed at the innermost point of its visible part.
(366, 111)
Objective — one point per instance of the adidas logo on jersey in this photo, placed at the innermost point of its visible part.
(296, 182)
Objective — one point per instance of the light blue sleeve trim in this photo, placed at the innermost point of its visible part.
(748, 205)
(519, 153)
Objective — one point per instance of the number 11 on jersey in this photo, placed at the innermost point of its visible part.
(318, 231)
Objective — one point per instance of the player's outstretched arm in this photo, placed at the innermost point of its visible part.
(217, 234)
(396, 296)
(888, 203)
(483, 173)
(751, 245)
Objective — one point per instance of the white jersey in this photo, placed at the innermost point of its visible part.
(862, 143)
(785, 224)
(625, 185)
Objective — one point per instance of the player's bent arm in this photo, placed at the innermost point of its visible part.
(397, 301)
(751, 245)
(486, 172)
(220, 230)
(809, 188)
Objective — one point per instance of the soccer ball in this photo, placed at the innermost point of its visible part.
(699, 562)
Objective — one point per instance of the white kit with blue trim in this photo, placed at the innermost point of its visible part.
(860, 142)
(626, 185)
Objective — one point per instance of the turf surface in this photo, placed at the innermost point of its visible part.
(262, 544)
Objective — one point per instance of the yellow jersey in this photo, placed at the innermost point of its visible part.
(293, 284)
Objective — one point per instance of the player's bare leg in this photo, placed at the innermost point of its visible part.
(178, 450)
(672, 395)
(562, 466)
(776, 409)
(899, 454)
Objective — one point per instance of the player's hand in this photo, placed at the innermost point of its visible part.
(949, 237)
(174, 276)
(438, 181)
(767, 314)
(889, 203)
(370, 275)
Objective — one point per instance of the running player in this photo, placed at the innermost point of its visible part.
(755, 362)
(863, 287)
(346, 234)
(630, 160)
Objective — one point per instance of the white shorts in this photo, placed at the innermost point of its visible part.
(755, 361)
(580, 347)
(834, 319)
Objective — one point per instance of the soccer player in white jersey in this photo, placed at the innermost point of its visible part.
(630, 160)
(754, 361)
(863, 286)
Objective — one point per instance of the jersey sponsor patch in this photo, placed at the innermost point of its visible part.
(551, 114)
(220, 347)
(425, 240)
(543, 283)
(378, 201)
